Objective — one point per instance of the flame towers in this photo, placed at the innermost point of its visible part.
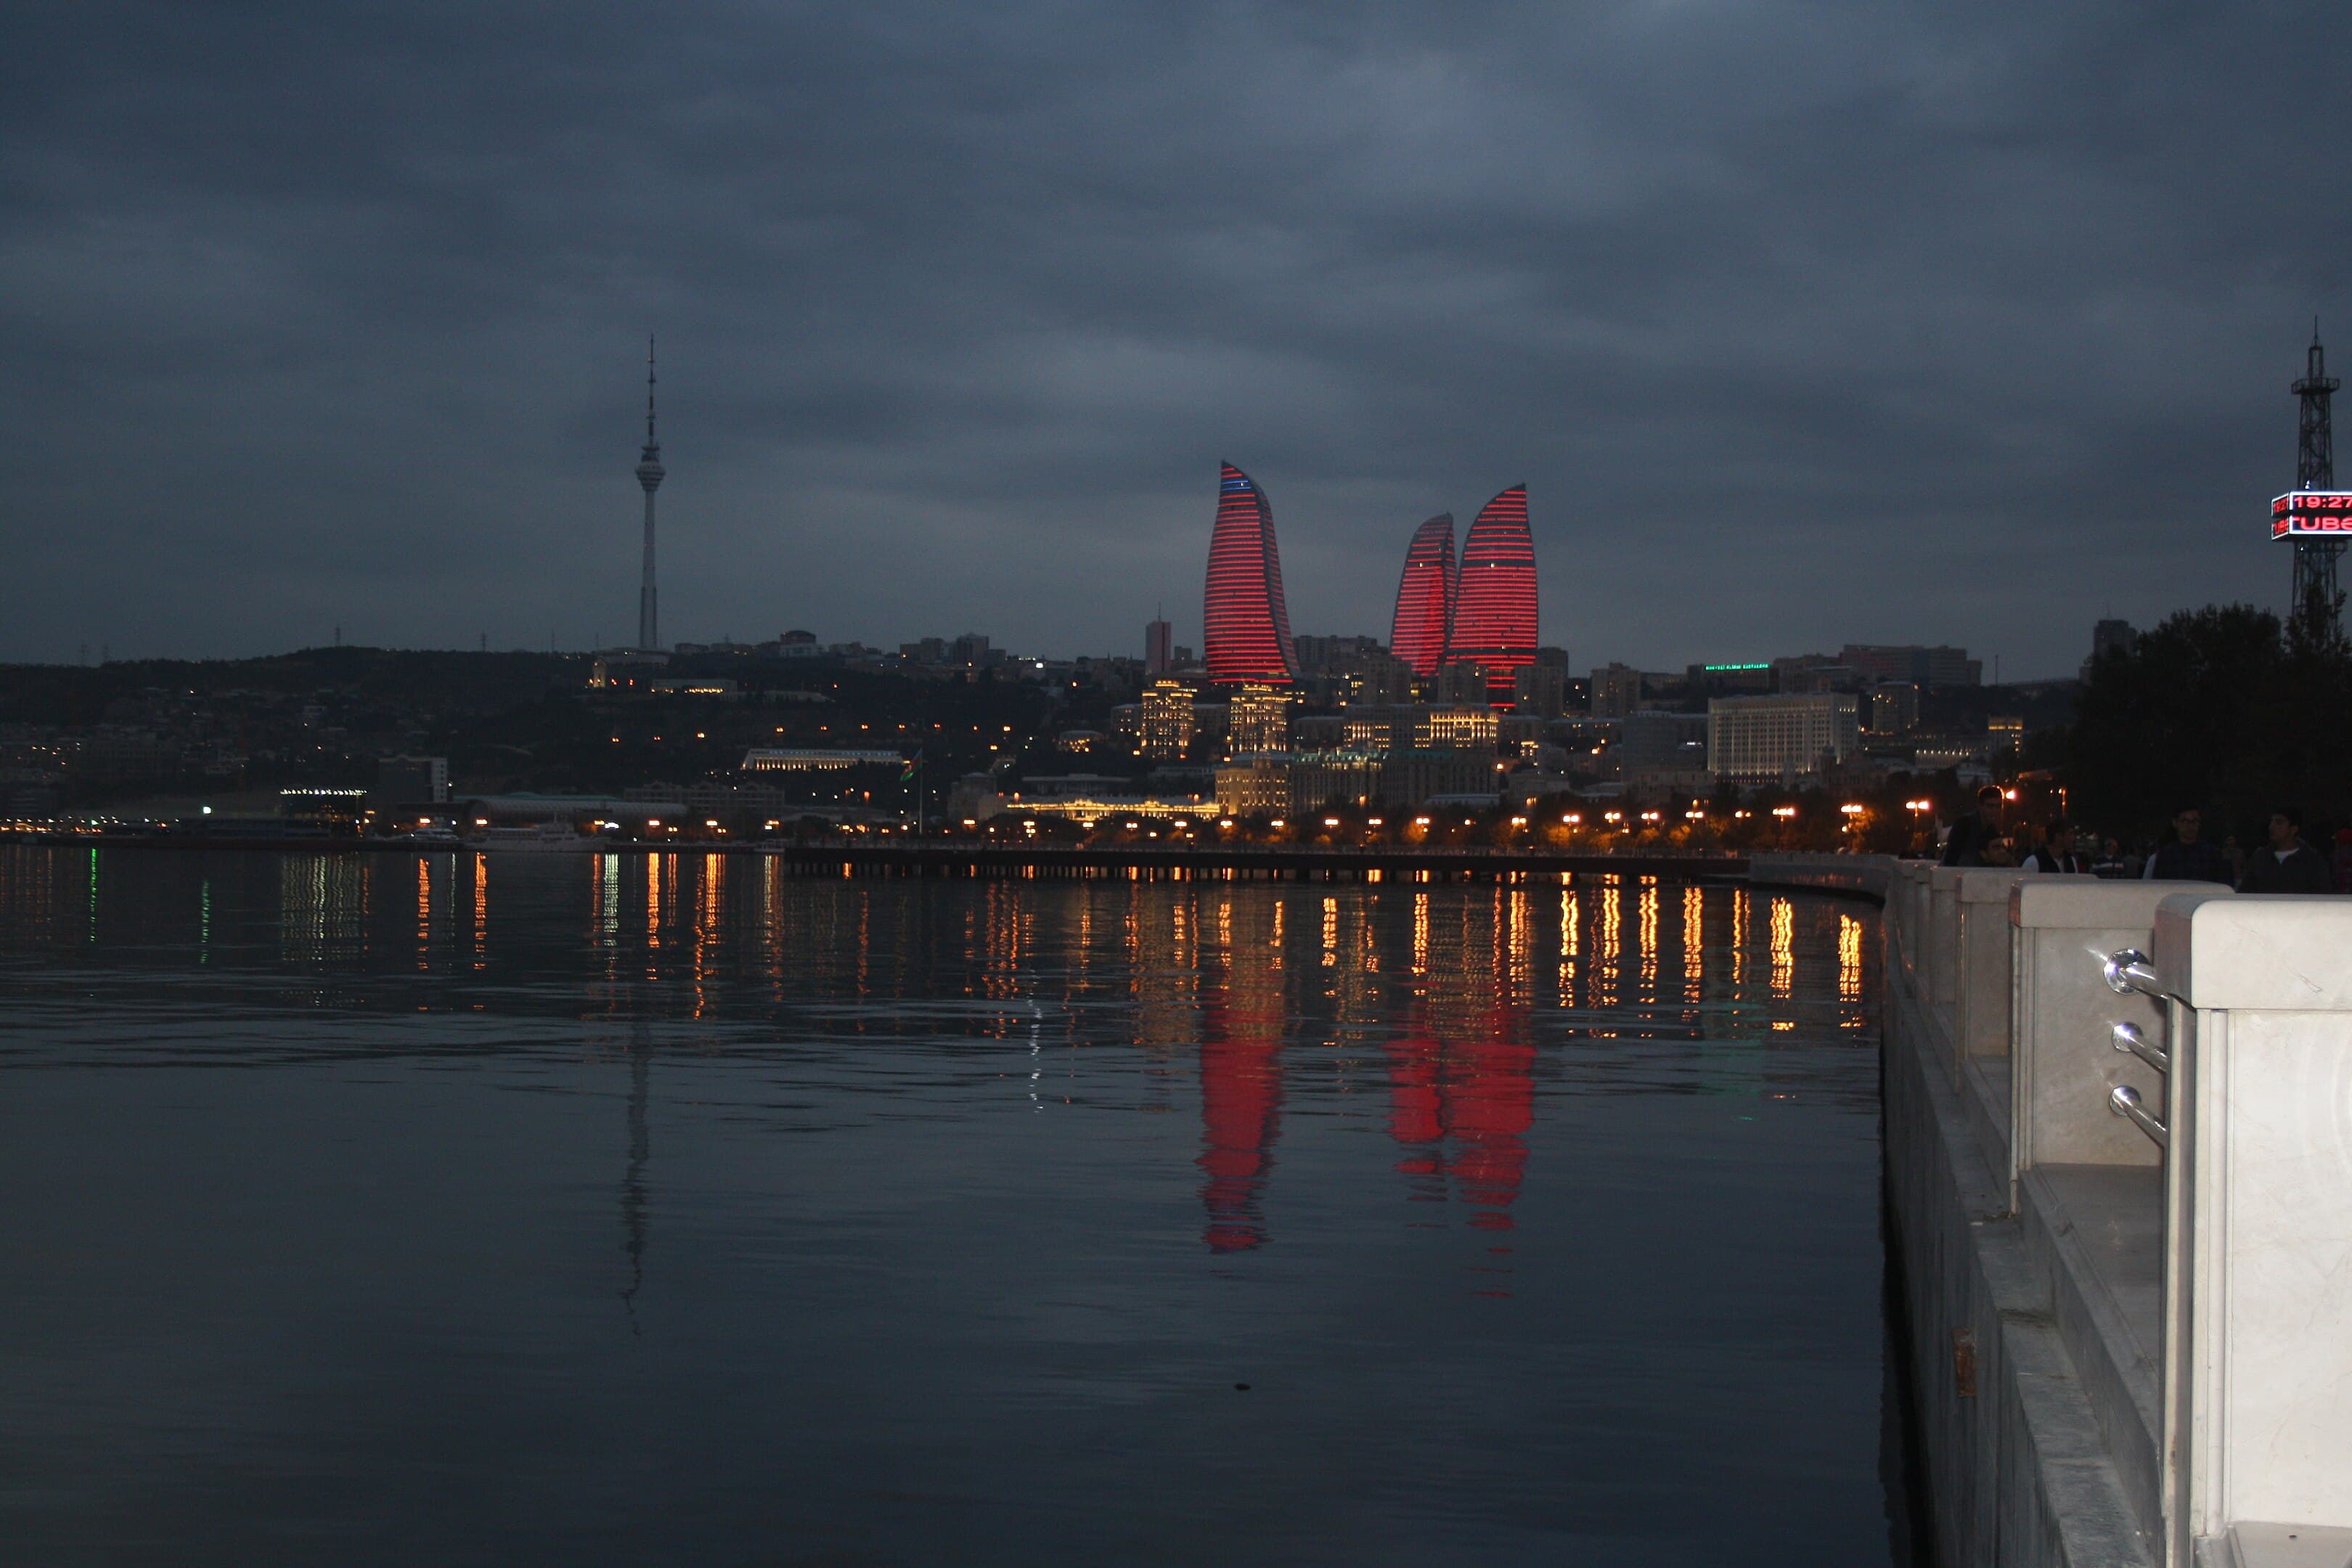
(1495, 599)
(1425, 601)
(1248, 623)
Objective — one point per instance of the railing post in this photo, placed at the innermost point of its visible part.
(2258, 1249)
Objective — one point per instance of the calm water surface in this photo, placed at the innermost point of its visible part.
(371, 1210)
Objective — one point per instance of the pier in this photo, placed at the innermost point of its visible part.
(2118, 1160)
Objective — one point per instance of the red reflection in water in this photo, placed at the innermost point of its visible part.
(1241, 1097)
(1240, 1080)
(1478, 1092)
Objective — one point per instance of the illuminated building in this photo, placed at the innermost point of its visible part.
(1494, 594)
(1247, 620)
(1258, 787)
(1786, 737)
(1168, 721)
(1476, 727)
(1258, 720)
(649, 475)
(1425, 601)
(814, 759)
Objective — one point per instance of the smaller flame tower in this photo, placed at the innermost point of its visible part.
(649, 474)
(2314, 469)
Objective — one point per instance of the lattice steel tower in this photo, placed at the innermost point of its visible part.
(2314, 469)
(649, 474)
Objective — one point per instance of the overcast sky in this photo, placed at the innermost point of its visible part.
(1804, 324)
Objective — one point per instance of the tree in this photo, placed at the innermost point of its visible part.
(2222, 708)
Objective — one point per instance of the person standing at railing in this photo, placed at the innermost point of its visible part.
(1976, 837)
(2057, 853)
(2287, 864)
(2187, 859)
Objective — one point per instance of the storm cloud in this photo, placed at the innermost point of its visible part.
(1804, 324)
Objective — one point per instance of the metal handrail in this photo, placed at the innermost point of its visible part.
(2128, 970)
(2124, 1101)
(2128, 1037)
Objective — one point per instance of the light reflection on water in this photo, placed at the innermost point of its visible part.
(1544, 1216)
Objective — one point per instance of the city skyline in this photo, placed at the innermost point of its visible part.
(1934, 329)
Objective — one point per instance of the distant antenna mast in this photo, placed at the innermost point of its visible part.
(649, 475)
(2314, 469)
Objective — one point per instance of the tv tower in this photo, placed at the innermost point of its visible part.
(2314, 469)
(649, 475)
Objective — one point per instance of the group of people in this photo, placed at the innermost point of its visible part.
(2287, 863)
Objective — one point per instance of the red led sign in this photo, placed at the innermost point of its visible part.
(2304, 513)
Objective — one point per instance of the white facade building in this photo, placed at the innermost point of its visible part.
(1790, 736)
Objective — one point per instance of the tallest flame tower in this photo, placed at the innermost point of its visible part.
(649, 474)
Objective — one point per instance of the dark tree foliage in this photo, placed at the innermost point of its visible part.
(2223, 708)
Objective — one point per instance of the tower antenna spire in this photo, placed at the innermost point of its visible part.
(2314, 469)
(650, 473)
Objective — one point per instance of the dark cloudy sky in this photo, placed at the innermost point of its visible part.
(1802, 323)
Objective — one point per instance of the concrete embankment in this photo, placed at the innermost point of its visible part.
(2130, 1335)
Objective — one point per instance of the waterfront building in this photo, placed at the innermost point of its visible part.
(1416, 777)
(410, 781)
(1246, 618)
(1254, 786)
(1783, 737)
(1168, 722)
(815, 759)
(1493, 621)
(1258, 720)
(1425, 601)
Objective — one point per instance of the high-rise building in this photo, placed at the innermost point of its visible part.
(1540, 689)
(1928, 666)
(1257, 719)
(1494, 594)
(1461, 683)
(1248, 622)
(1168, 721)
(1616, 691)
(649, 475)
(1894, 707)
(1785, 737)
(1425, 601)
(2108, 636)
(1159, 648)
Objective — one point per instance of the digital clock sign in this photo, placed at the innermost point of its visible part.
(2304, 513)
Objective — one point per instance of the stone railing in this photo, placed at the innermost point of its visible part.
(2119, 1155)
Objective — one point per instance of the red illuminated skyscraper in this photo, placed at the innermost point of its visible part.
(1248, 623)
(1424, 602)
(1495, 599)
